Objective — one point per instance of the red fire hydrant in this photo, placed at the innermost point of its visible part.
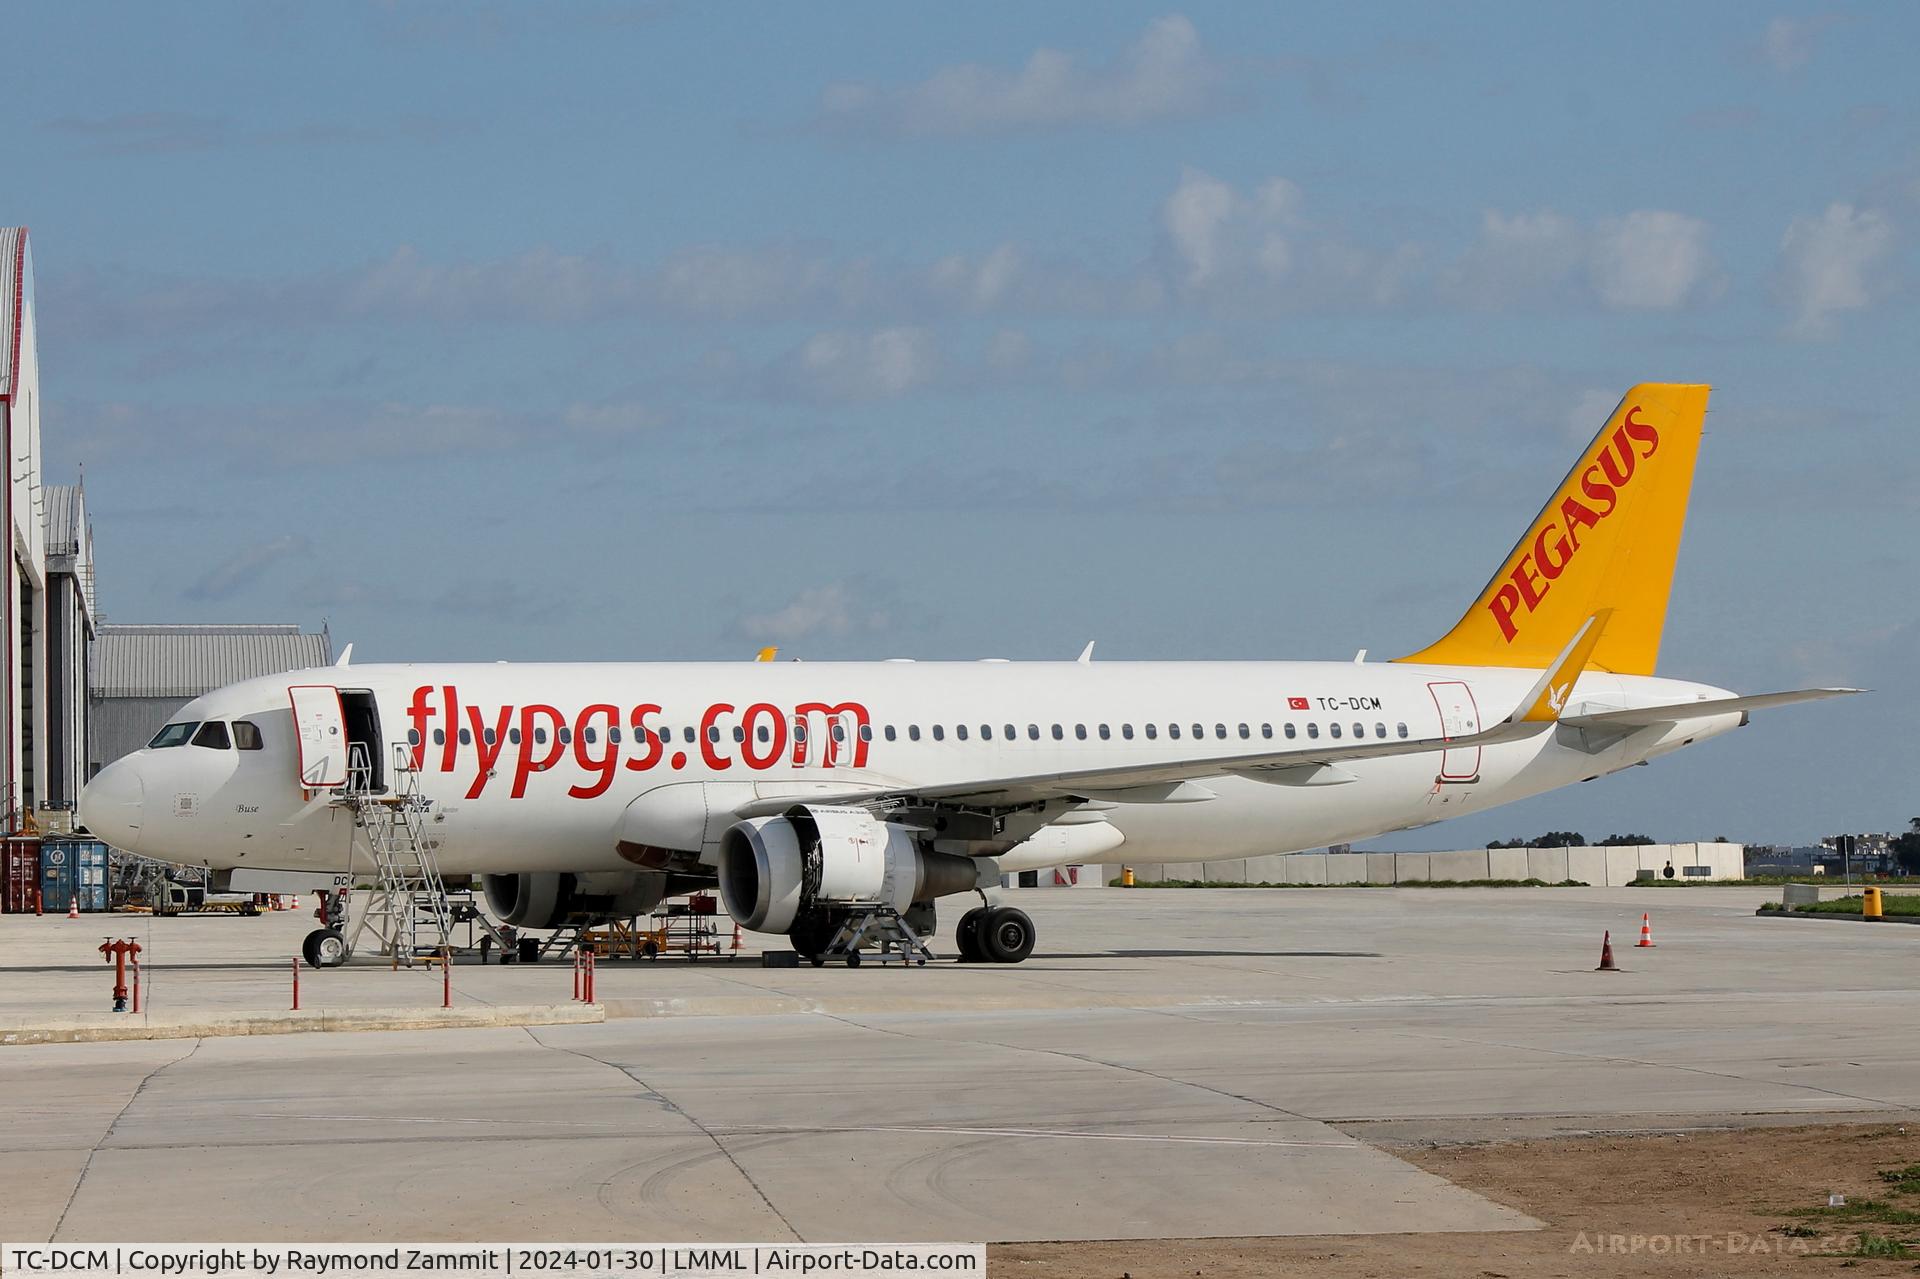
(116, 951)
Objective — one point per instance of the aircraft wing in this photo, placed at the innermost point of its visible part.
(1673, 712)
(1302, 763)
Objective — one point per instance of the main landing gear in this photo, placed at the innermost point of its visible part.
(994, 935)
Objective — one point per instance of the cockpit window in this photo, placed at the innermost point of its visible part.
(174, 735)
(246, 735)
(213, 736)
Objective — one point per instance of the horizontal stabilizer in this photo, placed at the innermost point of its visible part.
(1673, 712)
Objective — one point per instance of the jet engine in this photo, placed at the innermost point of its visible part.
(557, 899)
(816, 860)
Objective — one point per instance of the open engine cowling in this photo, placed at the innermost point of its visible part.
(552, 899)
(773, 870)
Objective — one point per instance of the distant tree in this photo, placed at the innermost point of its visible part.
(1906, 848)
(1720, 839)
(1558, 839)
(1626, 841)
(1515, 842)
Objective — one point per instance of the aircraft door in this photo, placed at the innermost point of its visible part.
(1459, 717)
(320, 724)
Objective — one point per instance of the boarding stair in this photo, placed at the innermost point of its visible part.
(408, 911)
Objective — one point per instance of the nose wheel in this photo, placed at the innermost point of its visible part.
(994, 935)
(325, 948)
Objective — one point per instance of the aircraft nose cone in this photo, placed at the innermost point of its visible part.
(110, 804)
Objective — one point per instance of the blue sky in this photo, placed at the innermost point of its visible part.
(665, 331)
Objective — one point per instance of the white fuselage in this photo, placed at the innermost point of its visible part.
(561, 767)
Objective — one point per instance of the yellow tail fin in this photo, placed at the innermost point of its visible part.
(1605, 540)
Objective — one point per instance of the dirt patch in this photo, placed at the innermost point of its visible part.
(1740, 1202)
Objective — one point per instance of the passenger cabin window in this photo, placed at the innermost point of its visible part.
(1153, 731)
(1059, 734)
(1126, 731)
(213, 736)
(439, 736)
(1080, 732)
(513, 735)
(1266, 730)
(1245, 732)
(466, 737)
(246, 735)
(960, 731)
(1220, 731)
(1199, 730)
(1105, 733)
(1173, 730)
(986, 732)
(1033, 732)
(1359, 730)
(739, 734)
(866, 733)
(1333, 729)
(174, 735)
(1403, 730)
(1313, 730)
(1290, 732)
(1379, 730)
(913, 732)
(763, 732)
(939, 733)
(1011, 735)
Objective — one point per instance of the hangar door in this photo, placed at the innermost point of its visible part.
(320, 722)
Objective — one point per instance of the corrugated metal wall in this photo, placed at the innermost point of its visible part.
(124, 724)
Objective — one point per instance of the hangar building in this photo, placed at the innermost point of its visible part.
(141, 675)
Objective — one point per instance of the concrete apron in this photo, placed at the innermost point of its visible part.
(113, 1026)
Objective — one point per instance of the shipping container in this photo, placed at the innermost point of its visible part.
(19, 875)
(73, 870)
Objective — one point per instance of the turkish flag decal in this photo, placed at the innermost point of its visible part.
(1296, 703)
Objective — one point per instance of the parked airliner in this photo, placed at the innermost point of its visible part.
(808, 791)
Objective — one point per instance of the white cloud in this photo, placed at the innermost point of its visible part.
(1216, 232)
(843, 365)
(1827, 263)
(1164, 75)
(1650, 259)
(1787, 43)
(834, 609)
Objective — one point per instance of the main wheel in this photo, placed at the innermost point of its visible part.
(966, 937)
(1006, 935)
(649, 949)
(325, 948)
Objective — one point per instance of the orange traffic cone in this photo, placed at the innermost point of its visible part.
(73, 906)
(293, 902)
(1606, 955)
(1646, 933)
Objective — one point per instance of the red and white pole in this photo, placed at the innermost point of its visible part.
(446, 978)
(296, 983)
(579, 963)
(136, 981)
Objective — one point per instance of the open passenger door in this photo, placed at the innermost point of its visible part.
(320, 722)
